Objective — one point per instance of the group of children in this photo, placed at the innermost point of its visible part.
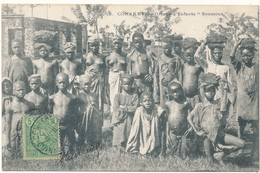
(156, 103)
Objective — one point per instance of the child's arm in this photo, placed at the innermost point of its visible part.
(51, 104)
(233, 53)
(9, 115)
(132, 107)
(190, 117)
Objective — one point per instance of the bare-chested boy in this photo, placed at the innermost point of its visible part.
(177, 120)
(14, 113)
(191, 71)
(46, 67)
(18, 67)
(64, 105)
(70, 65)
(140, 65)
(36, 96)
(206, 119)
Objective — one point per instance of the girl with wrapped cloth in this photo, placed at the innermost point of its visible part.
(94, 65)
(206, 121)
(213, 64)
(116, 63)
(247, 90)
(125, 104)
(90, 118)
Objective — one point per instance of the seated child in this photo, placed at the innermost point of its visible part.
(177, 120)
(65, 106)
(36, 96)
(14, 113)
(7, 93)
(147, 134)
(90, 117)
(205, 119)
(125, 105)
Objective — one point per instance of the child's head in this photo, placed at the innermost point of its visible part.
(217, 53)
(19, 89)
(7, 86)
(177, 46)
(208, 83)
(62, 80)
(175, 91)
(43, 49)
(70, 49)
(147, 100)
(138, 40)
(17, 47)
(190, 45)
(127, 82)
(167, 46)
(118, 43)
(35, 82)
(247, 50)
(94, 44)
(85, 82)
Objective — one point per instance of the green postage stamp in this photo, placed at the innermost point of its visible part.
(41, 137)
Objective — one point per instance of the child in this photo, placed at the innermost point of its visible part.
(46, 67)
(37, 95)
(206, 118)
(18, 67)
(90, 117)
(14, 113)
(168, 68)
(7, 91)
(177, 120)
(64, 105)
(147, 134)
(125, 104)
(247, 90)
(191, 71)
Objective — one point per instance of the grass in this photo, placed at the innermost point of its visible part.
(109, 159)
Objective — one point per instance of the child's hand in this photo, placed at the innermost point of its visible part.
(148, 78)
(200, 133)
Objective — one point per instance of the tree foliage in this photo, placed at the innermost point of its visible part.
(90, 15)
(157, 21)
(235, 26)
(122, 29)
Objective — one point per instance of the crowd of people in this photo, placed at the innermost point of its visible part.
(175, 103)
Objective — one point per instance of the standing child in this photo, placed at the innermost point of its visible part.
(64, 105)
(191, 71)
(7, 92)
(37, 95)
(177, 120)
(90, 117)
(247, 90)
(14, 113)
(206, 118)
(147, 134)
(125, 104)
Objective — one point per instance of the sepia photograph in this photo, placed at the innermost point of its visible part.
(130, 87)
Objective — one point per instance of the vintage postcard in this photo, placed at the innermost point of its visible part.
(159, 87)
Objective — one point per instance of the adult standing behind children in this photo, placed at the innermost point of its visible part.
(116, 63)
(94, 65)
(46, 67)
(18, 67)
(140, 65)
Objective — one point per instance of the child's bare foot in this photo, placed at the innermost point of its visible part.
(218, 157)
